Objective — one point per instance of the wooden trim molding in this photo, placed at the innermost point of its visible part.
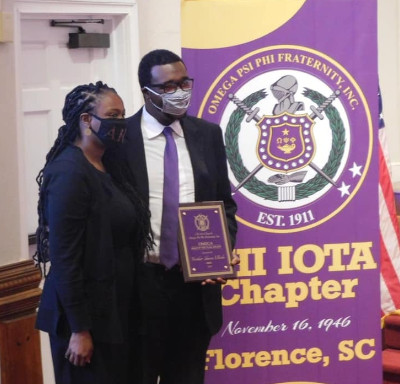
(19, 289)
(20, 354)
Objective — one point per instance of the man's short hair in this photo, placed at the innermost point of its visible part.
(151, 59)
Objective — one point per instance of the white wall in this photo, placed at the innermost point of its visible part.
(159, 25)
(389, 76)
(12, 246)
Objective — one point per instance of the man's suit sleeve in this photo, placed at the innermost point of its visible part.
(224, 188)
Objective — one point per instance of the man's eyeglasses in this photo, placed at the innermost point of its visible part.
(171, 87)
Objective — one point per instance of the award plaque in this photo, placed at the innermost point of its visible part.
(204, 244)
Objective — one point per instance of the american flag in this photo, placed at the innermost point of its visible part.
(389, 228)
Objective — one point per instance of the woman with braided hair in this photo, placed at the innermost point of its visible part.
(92, 229)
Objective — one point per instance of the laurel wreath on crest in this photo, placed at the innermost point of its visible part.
(270, 192)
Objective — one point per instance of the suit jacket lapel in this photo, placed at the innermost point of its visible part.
(195, 145)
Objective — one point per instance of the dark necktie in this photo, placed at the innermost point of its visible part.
(169, 254)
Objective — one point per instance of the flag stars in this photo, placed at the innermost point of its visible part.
(355, 170)
(344, 189)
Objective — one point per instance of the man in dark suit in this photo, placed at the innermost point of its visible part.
(178, 319)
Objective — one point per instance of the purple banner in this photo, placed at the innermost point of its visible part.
(298, 110)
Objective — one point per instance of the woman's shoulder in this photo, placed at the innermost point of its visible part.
(71, 164)
(70, 153)
(71, 159)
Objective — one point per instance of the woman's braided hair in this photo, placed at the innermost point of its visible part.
(84, 99)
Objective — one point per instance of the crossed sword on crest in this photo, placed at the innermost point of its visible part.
(253, 115)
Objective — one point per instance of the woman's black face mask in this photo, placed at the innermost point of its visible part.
(111, 131)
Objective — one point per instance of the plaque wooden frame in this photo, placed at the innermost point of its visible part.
(204, 242)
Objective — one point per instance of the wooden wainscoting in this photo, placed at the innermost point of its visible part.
(20, 356)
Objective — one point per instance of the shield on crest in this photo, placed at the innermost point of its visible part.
(202, 223)
(285, 142)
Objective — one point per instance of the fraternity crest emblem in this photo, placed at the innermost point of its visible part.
(293, 159)
(201, 222)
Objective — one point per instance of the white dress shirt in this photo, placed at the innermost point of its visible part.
(154, 145)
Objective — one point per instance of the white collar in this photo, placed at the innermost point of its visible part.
(154, 128)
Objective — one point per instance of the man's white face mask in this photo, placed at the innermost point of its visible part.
(175, 103)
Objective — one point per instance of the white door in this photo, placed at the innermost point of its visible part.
(49, 71)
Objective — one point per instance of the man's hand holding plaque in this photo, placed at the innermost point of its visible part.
(220, 280)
